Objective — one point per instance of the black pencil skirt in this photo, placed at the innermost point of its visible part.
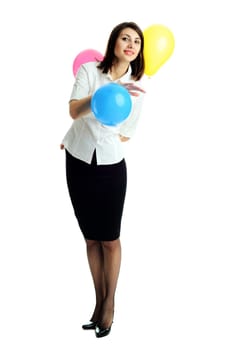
(97, 194)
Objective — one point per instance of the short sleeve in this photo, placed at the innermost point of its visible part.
(81, 87)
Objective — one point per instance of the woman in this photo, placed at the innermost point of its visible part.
(95, 165)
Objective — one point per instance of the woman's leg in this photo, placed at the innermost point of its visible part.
(96, 264)
(112, 262)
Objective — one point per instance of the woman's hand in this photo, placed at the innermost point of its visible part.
(133, 89)
(123, 138)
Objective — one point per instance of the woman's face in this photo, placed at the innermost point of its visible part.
(128, 45)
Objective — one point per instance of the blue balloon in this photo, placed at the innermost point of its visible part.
(111, 104)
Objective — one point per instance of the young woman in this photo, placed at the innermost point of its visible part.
(95, 165)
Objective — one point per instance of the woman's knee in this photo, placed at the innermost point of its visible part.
(111, 245)
(92, 243)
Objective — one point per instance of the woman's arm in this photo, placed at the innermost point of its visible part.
(79, 108)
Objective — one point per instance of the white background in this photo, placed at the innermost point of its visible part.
(175, 288)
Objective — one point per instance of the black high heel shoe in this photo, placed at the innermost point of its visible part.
(102, 332)
(89, 326)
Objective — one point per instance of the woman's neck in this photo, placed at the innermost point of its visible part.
(118, 70)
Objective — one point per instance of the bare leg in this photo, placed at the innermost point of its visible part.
(112, 262)
(96, 264)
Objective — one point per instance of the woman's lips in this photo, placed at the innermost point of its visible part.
(129, 52)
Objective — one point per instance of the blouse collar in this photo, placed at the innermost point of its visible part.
(124, 77)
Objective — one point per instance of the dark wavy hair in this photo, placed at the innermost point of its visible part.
(138, 65)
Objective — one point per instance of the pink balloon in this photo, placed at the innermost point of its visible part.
(85, 56)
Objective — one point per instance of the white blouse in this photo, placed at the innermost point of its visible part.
(87, 134)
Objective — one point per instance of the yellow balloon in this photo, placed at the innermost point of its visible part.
(159, 45)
